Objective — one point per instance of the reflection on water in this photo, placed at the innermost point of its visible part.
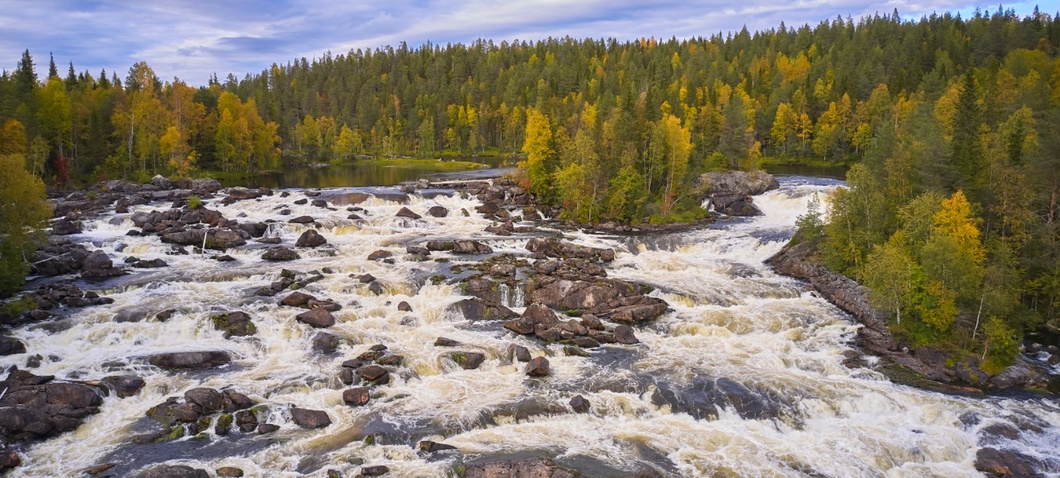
(372, 173)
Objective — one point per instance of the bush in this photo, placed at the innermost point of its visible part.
(194, 202)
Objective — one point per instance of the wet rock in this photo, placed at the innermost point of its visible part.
(310, 238)
(1012, 376)
(65, 227)
(209, 399)
(538, 367)
(374, 374)
(740, 206)
(356, 397)
(446, 342)
(378, 470)
(1005, 463)
(354, 217)
(9, 459)
(366, 278)
(634, 309)
(520, 353)
(532, 467)
(266, 428)
(565, 250)
(174, 471)
(151, 264)
(326, 343)
(624, 335)
(310, 419)
(234, 324)
(404, 307)
(575, 351)
(297, 299)
(467, 360)
(438, 211)
(301, 220)
(11, 346)
(406, 212)
(318, 317)
(97, 266)
(246, 420)
(216, 239)
(427, 446)
(736, 183)
(124, 385)
(579, 404)
(280, 253)
(189, 360)
(37, 407)
(229, 471)
(477, 309)
(460, 247)
(376, 288)
(380, 255)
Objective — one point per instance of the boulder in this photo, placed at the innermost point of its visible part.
(38, 407)
(189, 360)
(438, 211)
(1013, 376)
(229, 471)
(8, 459)
(318, 317)
(380, 255)
(404, 307)
(11, 346)
(208, 399)
(406, 212)
(98, 266)
(624, 335)
(124, 385)
(530, 467)
(735, 205)
(446, 342)
(310, 419)
(234, 324)
(65, 227)
(427, 446)
(579, 404)
(310, 238)
(543, 247)
(356, 397)
(538, 367)
(1005, 463)
(174, 471)
(326, 343)
(736, 183)
(280, 253)
(301, 220)
(478, 309)
(467, 360)
(297, 299)
(374, 374)
(378, 470)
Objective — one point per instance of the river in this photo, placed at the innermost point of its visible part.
(732, 320)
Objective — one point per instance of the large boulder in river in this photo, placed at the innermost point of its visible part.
(310, 418)
(528, 467)
(189, 360)
(310, 238)
(174, 471)
(280, 253)
(478, 309)
(561, 249)
(98, 266)
(318, 317)
(37, 407)
(736, 183)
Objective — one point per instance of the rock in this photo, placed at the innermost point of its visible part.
(326, 343)
(124, 385)
(200, 185)
(468, 360)
(301, 220)
(320, 203)
(310, 238)
(297, 299)
(566, 250)
(174, 471)
(378, 470)
(209, 399)
(445, 342)
(520, 353)
(538, 367)
(229, 471)
(280, 253)
(575, 351)
(380, 255)
(374, 374)
(406, 212)
(234, 324)
(356, 397)
(736, 183)
(366, 278)
(11, 346)
(64, 227)
(9, 459)
(189, 360)
(310, 419)
(265, 428)
(318, 317)
(404, 307)
(624, 335)
(427, 446)
(1012, 376)
(151, 264)
(579, 404)
(438, 211)
(36, 407)
(478, 309)
(530, 467)
(1005, 463)
(459, 247)
(98, 266)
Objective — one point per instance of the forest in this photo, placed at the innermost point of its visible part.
(950, 127)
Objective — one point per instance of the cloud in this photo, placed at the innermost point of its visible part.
(193, 39)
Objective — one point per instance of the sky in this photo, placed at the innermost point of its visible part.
(193, 39)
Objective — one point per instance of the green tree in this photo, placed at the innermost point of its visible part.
(540, 155)
(24, 212)
(889, 273)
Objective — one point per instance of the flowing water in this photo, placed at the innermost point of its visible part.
(733, 321)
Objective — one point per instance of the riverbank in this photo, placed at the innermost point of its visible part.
(923, 367)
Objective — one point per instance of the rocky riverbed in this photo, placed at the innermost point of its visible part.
(442, 329)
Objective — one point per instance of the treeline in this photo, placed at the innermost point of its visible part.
(952, 124)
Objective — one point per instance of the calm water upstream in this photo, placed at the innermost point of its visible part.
(732, 321)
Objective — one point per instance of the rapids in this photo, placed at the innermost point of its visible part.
(732, 321)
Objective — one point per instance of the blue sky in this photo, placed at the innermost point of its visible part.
(192, 39)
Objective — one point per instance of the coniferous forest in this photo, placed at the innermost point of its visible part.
(950, 127)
